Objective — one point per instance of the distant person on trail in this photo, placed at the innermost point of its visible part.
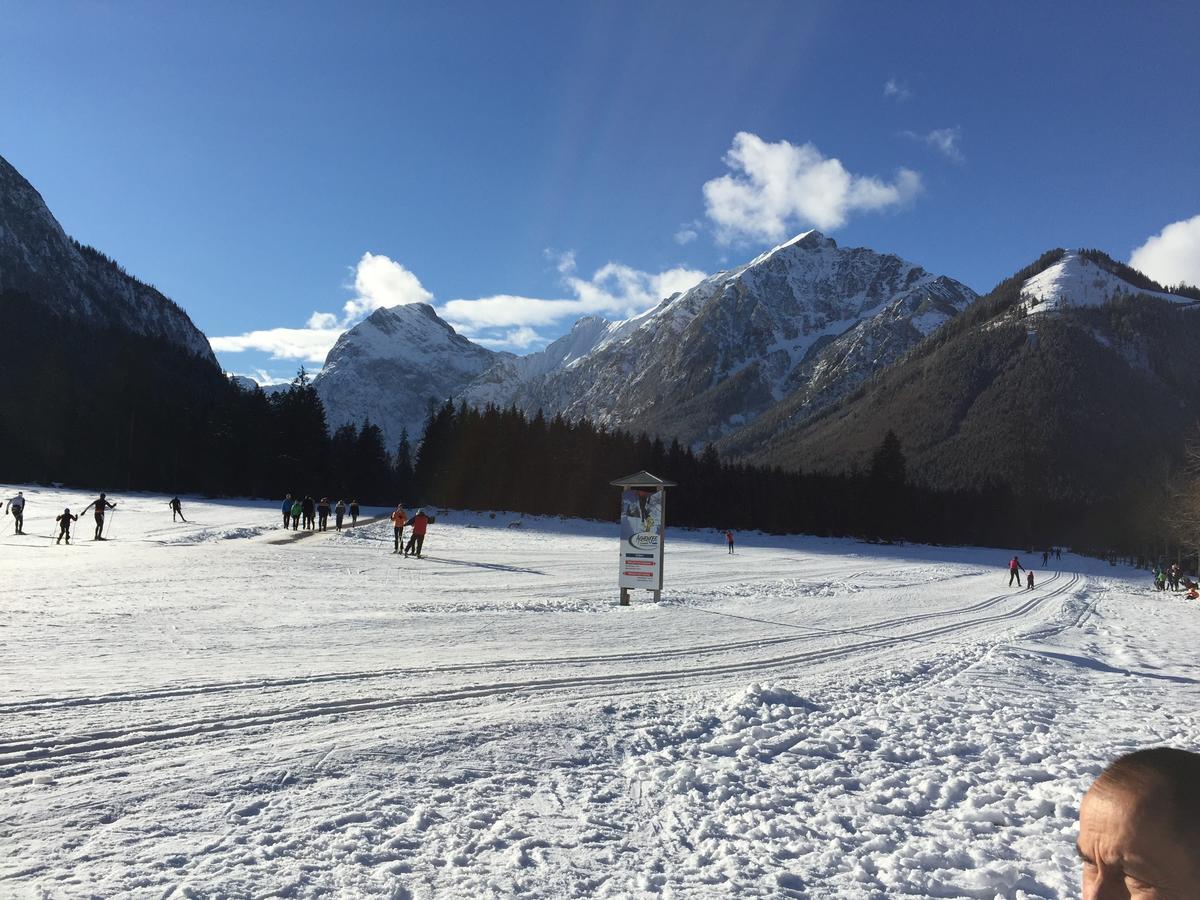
(100, 504)
(297, 511)
(1014, 570)
(287, 510)
(16, 506)
(1058, 552)
(420, 522)
(1138, 834)
(323, 514)
(399, 519)
(729, 539)
(176, 508)
(353, 512)
(1045, 558)
(339, 513)
(309, 507)
(1029, 579)
(64, 525)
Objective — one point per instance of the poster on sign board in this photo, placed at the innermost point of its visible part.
(641, 538)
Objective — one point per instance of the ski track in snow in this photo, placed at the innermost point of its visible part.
(226, 708)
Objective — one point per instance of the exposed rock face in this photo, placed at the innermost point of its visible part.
(807, 319)
(391, 365)
(38, 259)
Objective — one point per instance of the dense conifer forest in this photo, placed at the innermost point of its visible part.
(124, 412)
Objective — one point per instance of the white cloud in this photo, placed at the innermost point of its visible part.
(613, 290)
(520, 338)
(896, 90)
(381, 282)
(307, 344)
(378, 282)
(1173, 255)
(776, 189)
(502, 320)
(687, 233)
(564, 261)
(944, 140)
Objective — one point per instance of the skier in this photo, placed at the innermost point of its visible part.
(297, 510)
(420, 522)
(353, 512)
(1045, 558)
(729, 539)
(64, 525)
(323, 513)
(100, 504)
(399, 519)
(176, 508)
(1029, 579)
(309, 506)
(1058, 553)
(339, 513)
(16, 506)
(287, 510)
(1014, 570)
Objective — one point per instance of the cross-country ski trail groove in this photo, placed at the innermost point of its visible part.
(646, 655)
(19, 756)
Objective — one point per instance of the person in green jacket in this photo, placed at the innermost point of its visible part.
(297, 509)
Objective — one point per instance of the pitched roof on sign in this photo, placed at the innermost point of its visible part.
(643, 479)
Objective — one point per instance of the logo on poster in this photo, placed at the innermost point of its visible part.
(643, 540)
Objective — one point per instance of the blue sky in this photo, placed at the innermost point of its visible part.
(280, 168)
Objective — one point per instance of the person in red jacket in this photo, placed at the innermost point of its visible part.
(729, 540)
(1014, 571)
(420, 522)
(399, 518)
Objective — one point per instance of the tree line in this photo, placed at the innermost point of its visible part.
(108, 409)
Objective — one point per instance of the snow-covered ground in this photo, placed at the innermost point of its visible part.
(225, 708)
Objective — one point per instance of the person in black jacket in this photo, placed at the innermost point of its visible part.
(64, 525)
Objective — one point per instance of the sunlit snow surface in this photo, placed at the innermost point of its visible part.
(224, 709)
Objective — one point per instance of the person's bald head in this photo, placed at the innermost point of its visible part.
(1139, 827)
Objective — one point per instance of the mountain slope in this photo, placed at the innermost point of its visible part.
(805, 315)
(1067, 382)
(389, 366)
(38, 260)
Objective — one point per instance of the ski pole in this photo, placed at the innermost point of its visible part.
(110, 521)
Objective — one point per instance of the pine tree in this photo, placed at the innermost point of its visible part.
(402, 468)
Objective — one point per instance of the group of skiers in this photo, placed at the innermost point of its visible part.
(1015, 568)
(15, 506)
(416, 540)
(1172, 578)
(309, 514)
(100, 506)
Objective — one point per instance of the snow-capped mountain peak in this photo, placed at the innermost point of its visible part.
(392, 364)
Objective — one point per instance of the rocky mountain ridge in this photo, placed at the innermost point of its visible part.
(39, 261)
(807, 316)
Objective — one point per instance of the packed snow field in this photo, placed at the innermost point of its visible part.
(227, 708)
